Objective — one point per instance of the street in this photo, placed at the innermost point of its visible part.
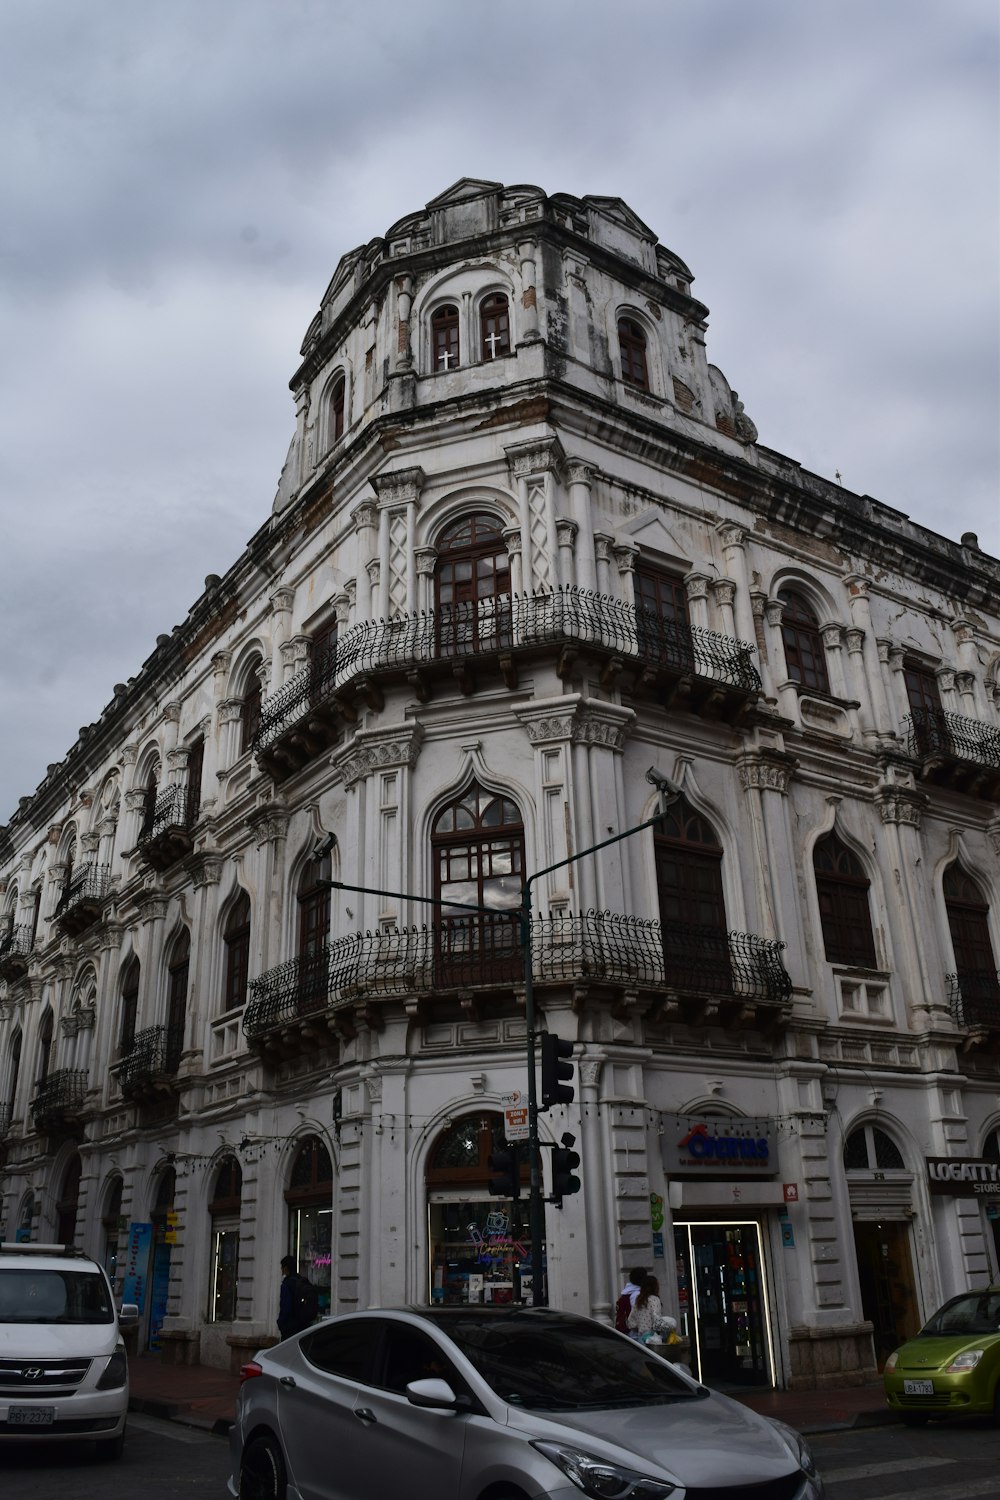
(165, 1459)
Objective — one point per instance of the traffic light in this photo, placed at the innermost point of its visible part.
(507, 1181)
(554, 1070)
(564, 1164)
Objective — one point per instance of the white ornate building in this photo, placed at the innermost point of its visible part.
(525, 545)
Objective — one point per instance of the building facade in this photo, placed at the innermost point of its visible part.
(525, 546)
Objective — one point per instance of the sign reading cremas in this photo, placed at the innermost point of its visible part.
(718, 1146)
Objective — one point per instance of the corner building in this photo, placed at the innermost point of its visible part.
(526, 544)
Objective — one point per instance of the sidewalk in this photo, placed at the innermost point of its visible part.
(202, 1397)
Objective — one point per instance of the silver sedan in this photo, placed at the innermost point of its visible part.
(509, 1404)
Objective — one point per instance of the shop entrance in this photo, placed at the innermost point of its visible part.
(888, 1289)
(722, 1288)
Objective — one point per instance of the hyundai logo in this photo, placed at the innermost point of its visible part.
(33, 1372)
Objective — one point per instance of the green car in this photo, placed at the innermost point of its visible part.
(952, 1367)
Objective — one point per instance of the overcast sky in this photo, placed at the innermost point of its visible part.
(179, 180)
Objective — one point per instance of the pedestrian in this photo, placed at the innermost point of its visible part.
(627, 1297)
(647, 1310)
(298, 1302)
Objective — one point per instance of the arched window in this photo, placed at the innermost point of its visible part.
(129, 1007)
(869, 1149)
(632, 344)
(692, 904)
(494, 326)
(338, 396)
(444, 338)
(309, 1197)
(110, 1225)
(930, 727)
(471, 574)
(195, 767)
(313, 982)
(177, 989)
(476, 1241)
(805, 657)
(149, 803)
(323, 661)
(224, 1209)
(237, 942)
(478, 850)
(45, 1047)
(250, 707)
(663, 633)
(968, 912)
(842, 890)
(8, 1097)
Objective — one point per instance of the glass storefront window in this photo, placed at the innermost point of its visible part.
(480, 1251)
(311, 1238)
(722, 1296)
(225, 1262)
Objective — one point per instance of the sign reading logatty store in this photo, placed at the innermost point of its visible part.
(723, 1147)
(963, 1176)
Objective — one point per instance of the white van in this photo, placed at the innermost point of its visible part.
(63, 1370)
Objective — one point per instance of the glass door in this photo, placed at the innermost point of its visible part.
(722, 1289)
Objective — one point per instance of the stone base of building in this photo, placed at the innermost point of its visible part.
(828, 1358)
(180, 1346)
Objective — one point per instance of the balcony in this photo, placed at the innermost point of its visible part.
(682, 666)
(6, 1116)
(149, 1066)
(962, 754)
(82, 899)
(15, 950)
(974, 1001)
(58, 1105)
(166, 833)
(696, 973)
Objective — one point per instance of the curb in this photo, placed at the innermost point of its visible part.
(167, 1411)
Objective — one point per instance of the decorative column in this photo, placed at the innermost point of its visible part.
(901, 807)
(602, 556)
(968, 678)
(833, 645)
(365, 518)
(787, 693)
(762, 635)
(303, 442)
(152, 909)
(894, 658)
(566, 533)
(734, 551)
(764, 775)
(855, 639)
(724, 590)
(424, 559)
(398, 495)
(533, 468)
(581, 476)
(857, 588)
(404, 303)
(282, 600)
(512, 539)
(529, 300)
(376, 769)
(696, 588)
(205, 870)
(268, 827)
(625, 554)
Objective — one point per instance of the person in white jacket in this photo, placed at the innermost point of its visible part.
(647, 1309)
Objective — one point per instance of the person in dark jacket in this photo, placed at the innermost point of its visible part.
(293, 1311)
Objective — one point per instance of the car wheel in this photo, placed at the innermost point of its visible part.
(111, 1448)
(262, 1470)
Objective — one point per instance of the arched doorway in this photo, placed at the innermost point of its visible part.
(309, 1196)
(69, 1201)
(880, 1191)
(480, 1246)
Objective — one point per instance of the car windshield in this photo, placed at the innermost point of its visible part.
(972, 1314)
(37, 1295)
(569, 1364)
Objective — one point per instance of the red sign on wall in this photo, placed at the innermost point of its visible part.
(791, 1190)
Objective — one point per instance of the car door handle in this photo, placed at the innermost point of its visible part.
(365, 1414)
(287, 1380)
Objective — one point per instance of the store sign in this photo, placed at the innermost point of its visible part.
(515, 1117)
(963, 1176)
(720, 1147)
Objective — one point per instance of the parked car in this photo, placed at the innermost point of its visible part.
(952, 1367)
(457, 1403)
(63, 1370)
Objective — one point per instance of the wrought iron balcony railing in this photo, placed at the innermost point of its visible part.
(153, 1057)
(87, 886)
(498, 627)
(6, 1115)
(60, 1094)
(170, 810)
(16, 945)
(974, 999)
(937, 735)
(468, 953)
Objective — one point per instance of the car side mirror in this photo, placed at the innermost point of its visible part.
(436, 1394)
(128, 1316)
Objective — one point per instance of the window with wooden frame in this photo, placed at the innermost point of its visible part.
(338, 406)
(805, 654)
(445, 352)
(323, 661)
(662, 629)
(129, 1007)
(632, 347)
(250, 707)
(224, 1209)
(471, 577)
(314, 935)
(494, 326)
(969, 924)
(692, 902)
(309, 1197)
(930, 728)
(178, 971)
(842, 889)
(236, 939)
(195, 767)
(478, 851)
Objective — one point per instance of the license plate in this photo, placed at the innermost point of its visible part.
(30, 1416)
(918, 1387)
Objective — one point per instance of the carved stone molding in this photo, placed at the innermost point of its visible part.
(696, 585)
(221, 662)
(832, 636)
(584, 724)
(732, 535)
(566, 531)
(151, 906)
(230, 710)
(901, 804)
(855, 639)
(537, 456)
(590, 1071)
(773, 611)
(128, 755)
(724, 590)
(625, 556)
(965, 681)
(365, 515)
(379, 751)
(578, 471)
(135, 800)
(400, 487)
(294, 652)
(267, 825)
(204, 869)
(768, 770)
(425, 558)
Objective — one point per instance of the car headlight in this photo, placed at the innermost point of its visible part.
(115, 1373)
(797, 1447)
(603, 1480)
(890, 1363)
(968, 1360)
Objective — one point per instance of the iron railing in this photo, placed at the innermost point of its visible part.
(974, 998)
(60, 1093)
(154, 1053)
(87, 884)
(6, 1115)
(933, 731)
(480, 951)
(170, 810)
(16, 942)
(482, 627)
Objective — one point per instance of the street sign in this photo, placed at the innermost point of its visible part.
(515, 1116)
